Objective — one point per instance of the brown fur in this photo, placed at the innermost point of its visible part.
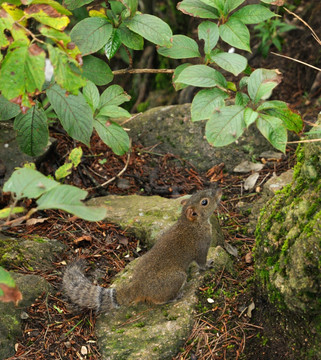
(161, 273)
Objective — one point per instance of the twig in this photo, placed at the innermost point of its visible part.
(303, 141)
(143, 71)
(299, 61)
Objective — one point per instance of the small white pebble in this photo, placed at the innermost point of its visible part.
(209, 300)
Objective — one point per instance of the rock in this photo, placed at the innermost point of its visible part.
(146, 217)
(288, 246)
(171, 129)
(153, 332)
(37, 253)
(31, 287)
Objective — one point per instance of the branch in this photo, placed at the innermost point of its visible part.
(143, 71)
(299, 61)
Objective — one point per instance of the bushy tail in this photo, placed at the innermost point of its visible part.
(84, 294)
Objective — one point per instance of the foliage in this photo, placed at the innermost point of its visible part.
(270, 33)
(35, 40)
(226, 123)
(49, 194)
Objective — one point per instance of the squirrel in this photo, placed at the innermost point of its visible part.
(161, 273)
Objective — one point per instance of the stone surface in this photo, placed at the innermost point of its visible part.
(31, 287)
(171, 129)
(153, 332)
(146, 217)
(288, 244)
(37, 253)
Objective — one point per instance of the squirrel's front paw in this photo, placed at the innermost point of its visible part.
(209, 264)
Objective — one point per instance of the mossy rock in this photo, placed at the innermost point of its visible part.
(288, 244)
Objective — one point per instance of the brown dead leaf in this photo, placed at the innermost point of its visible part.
(248, 258)
(36, 8)
(36, 221)
(10, 294)
(83, 238)
(35, 50)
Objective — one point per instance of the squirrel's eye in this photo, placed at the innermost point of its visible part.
(204, 202)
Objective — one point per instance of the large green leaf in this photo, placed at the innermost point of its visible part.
(225, 126)
(73, 112)
(236, 34)
(91, 34)
(233, 4)
(28, 183)
(261, 83)
(209, 32)
(68, 198)
(182, 47)
(250, 116)
(113, 95)
(8, 110)
(22, 71)
(113, 44)
(130, 38)
(253, 14)
(32, 131)
(233, 63)
(91, 94)
(151, 28)
(112, 135)
(74, 4)
(65, 76)
(201, 75)
(97, 70)
(206, 102)
(279, 109)
(177, 71)
(198, 9)
(273, 130)
(113, 111)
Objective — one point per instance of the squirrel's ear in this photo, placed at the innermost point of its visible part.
(183, 202)
(191, 214)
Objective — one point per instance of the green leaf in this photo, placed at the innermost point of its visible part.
(68, 198)
(233, 4)
(63, 171)
(183, 47)
(201, 75)
(236, 34)
(209, 32)
(4, 213)
(65, 76)
(113, 135)
(22, 71)
(130, 38)
(261, 83)
(113, 44)
(28, 183)
(97, 70)
(113, 111)
(5, 278)
(151, 28)
(206, 102)
(177, 71)
(253, 14)
(279, 109)
(250, 116)
(131, 4)
(113, 95)
(234, 63)
(75, 156)
(8, 110)
(47, 15)
(225, 126)
(75, 4)
(91, 94)
(32, 131)
(241, 99)
(273, 130)
(91, 34)
(198, 9)
(73, 112)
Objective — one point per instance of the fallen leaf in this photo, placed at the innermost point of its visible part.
(35, 221)
(250, 308)
(248, 258)
(247, 166)
(250, 182)
(83, 238)
(232, 250)
(10, 294)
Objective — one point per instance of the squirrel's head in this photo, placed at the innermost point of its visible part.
(201, 205)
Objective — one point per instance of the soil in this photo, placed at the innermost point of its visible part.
(225, 328)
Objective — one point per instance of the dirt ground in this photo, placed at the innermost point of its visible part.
(223, 330)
